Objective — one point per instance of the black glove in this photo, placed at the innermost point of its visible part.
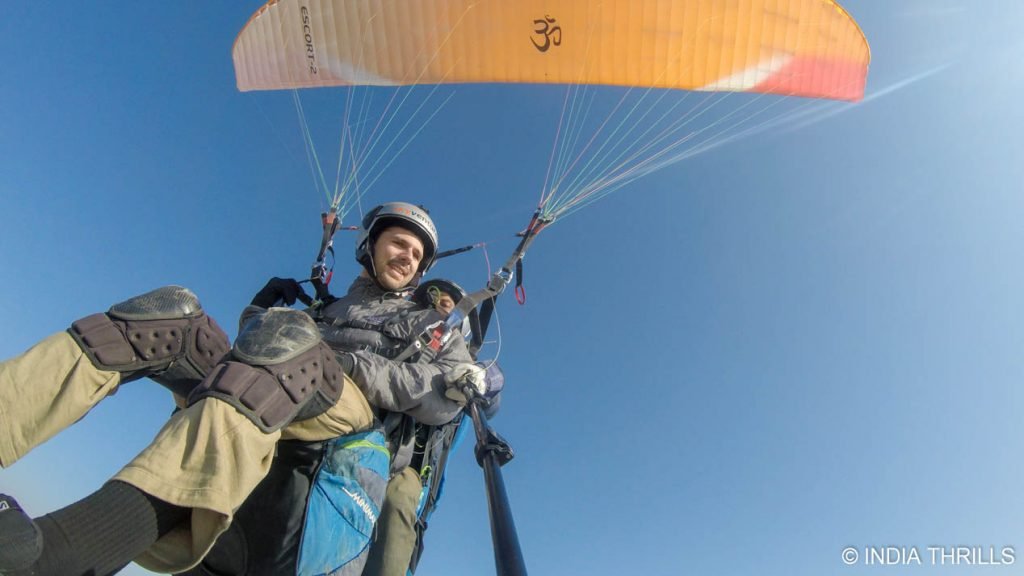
(281, 289)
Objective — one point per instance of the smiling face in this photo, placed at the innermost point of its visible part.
(396, 257)
(444, 303)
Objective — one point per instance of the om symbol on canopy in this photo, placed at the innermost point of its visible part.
(551, 35)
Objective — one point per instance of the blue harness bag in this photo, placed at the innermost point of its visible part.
(344, 502)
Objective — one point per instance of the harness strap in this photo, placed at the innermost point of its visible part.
(433, 337)
(437, 473)
(478, 326)
(520, 291)
(320, 276)
(495, 286)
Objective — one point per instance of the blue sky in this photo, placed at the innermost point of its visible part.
(802, 341)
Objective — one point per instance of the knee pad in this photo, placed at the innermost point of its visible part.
(279, 371)
(163, 334)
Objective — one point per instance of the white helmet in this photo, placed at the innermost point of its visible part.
(408, 216)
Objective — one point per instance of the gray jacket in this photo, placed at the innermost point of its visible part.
(375, 326)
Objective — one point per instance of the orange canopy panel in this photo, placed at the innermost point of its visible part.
(792, 47)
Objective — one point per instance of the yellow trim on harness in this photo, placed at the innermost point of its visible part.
(368, 444)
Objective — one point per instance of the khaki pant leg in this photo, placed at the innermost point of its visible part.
(351, 413)
(45, 390)
(395, 536)
(209, 457)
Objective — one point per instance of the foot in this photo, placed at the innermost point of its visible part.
(21, 542)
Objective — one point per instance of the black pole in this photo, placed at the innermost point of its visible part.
(491, 453)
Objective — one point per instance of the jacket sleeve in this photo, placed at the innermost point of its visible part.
(416, 389)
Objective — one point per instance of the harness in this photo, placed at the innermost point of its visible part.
(320, 275)
(433, 462)
(436, 336)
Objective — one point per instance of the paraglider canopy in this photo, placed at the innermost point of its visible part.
(650, 48)
(791, 47)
